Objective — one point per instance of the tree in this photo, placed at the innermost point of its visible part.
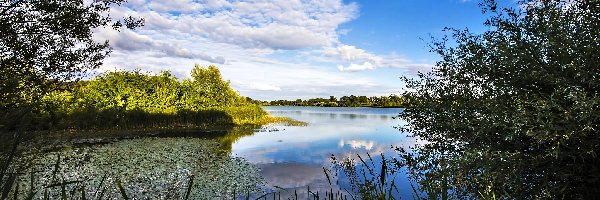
(332, 99)
(363, 100)
(210, 89)
(514, 111)
(51, 40)
(43, 42)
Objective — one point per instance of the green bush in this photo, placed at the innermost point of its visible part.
(513, 112)
(131, 99)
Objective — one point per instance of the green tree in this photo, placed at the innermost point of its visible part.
(42, 42)
(514, 111)
(363, 101)
(209, 88)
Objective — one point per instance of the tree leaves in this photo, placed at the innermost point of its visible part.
(42, 42)
(511, 108)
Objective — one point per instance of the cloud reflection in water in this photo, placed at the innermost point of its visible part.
(294, 158)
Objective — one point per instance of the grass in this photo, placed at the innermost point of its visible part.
(284, 121)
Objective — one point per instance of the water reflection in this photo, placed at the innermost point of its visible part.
(357, 144)
(292, 175)
(294, 158)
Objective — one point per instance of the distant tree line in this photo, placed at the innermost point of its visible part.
(390, 101)
(132, 99)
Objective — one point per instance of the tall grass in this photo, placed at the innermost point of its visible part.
(119, 118)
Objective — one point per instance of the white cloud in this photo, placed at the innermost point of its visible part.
(279, 24)
(357, 144)
(354, 56)
(244, 38)
(175, 5)
(351, 53)
(215, 4)
(356, 67)
(132, 42)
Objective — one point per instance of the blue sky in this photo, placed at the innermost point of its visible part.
(289, 49)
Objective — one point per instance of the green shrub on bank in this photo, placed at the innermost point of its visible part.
(131, 99)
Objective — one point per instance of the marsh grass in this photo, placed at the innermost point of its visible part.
(283, 121)
(371, 178)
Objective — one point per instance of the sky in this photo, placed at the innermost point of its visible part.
(289, 49)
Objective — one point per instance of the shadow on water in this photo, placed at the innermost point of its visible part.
(113, 118)
(90, 126)
(225, 136)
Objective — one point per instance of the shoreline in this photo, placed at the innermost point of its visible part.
(49, 140)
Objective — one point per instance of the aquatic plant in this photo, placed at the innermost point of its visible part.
(158, 168)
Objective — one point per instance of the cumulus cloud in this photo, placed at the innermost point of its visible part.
(261, 24)
(175, 5)
(244, 37)
(130, 41)
(360, 60)
(356, 67)
(351, 53)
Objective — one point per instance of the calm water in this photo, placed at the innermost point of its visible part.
(294, 157)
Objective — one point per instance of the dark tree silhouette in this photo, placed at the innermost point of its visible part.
(512, 113)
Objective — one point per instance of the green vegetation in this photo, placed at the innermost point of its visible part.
(137, 100)
(371, 178)
(44, 43)
(46, 47)
(127, 101)
(514, 112)
(392, 101)
(156, 168)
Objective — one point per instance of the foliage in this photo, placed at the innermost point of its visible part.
(42, 41)
(513, 112)
(344, 101)
(136, 100)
